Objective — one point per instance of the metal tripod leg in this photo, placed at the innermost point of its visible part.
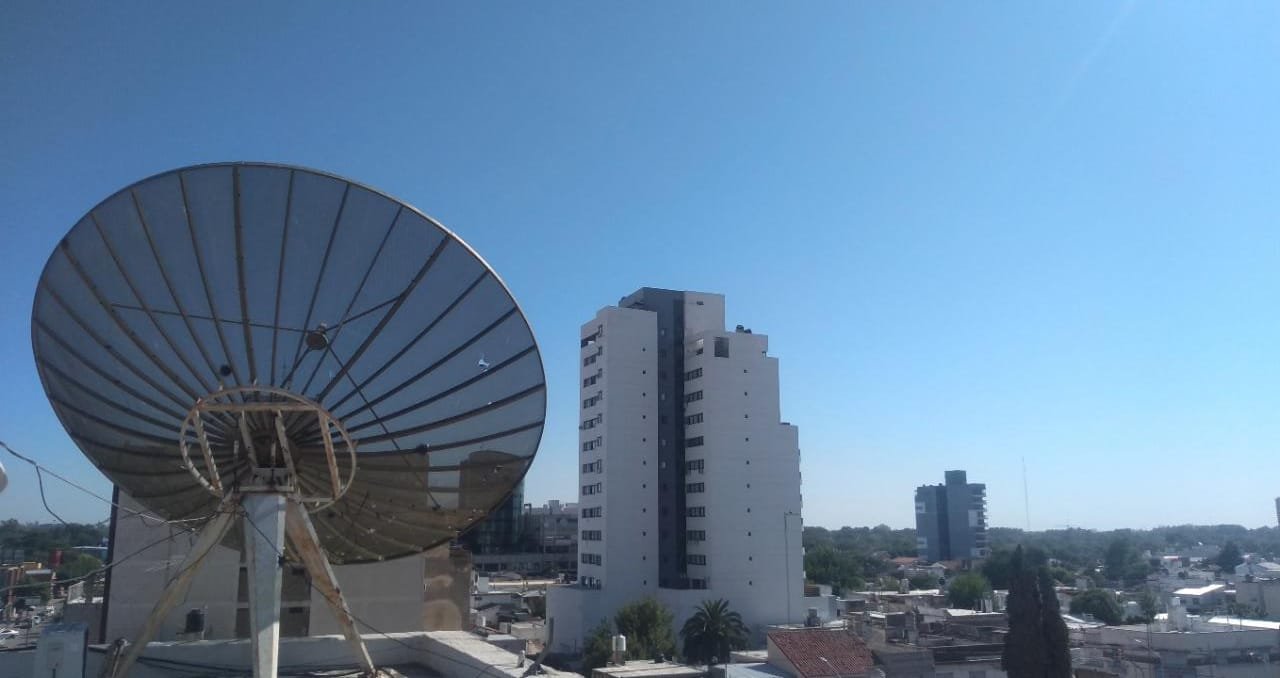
(210, 535)
(302, 534)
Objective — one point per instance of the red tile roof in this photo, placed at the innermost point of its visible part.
(824, 652)
(904, 560)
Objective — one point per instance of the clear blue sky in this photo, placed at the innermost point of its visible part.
(973, 231)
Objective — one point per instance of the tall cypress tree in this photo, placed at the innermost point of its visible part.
(1057, 662)
(1025, 649)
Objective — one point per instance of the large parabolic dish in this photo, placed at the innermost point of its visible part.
(216, 318)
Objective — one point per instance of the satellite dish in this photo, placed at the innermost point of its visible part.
(220, 333)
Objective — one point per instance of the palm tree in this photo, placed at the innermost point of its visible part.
(712, 632)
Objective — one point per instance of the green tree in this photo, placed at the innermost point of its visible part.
(1036, 645)
(967, 590)
(922, 582)
(1120, 553)
(1147, 602)
(712, 632)
(647, 624)
(1229, 557)
(1024, 645)
(77, 565)
(824, 564)
(1100, 603)
(1124, 563)
(998, 567)
(1054, 629)
(598, 647)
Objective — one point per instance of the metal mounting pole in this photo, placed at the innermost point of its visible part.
(263, 549)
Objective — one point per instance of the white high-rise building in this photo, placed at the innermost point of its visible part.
(689, 479)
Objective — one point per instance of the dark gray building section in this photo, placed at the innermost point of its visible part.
(931, 539)
(951, 519)
(669, 306)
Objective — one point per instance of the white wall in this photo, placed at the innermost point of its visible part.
(752, 481)
(391, 595)
(136, 583)
(629, 433)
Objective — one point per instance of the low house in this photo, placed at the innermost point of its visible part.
(1201, 598)
(820, 653)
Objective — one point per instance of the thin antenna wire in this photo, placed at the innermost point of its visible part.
(39, 468)
(1026, 496)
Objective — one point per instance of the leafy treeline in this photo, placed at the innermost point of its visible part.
(853, 557)
(40, 540)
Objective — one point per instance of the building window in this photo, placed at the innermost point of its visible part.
(592, 559)
(593, 422)
(697, 583)
(593, 489)
(693, 374)
(695, 535)
(693, 397)
(696, 511)
(596, 466)
(697, 559)
(695, 441)
(591, 380)
(692, 488)
(722, 347)
(693, 419)
(695, 465)
(593, 444)
(589, 402)
(592, 535)
(594, 512)
(589, 360)
(590, 339)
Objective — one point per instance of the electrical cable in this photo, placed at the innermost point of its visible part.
(98, 571)
(145, 516)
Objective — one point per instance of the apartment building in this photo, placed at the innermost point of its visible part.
(951, 520)
(689, 479)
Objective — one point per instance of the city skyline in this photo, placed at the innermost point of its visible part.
(973, 234)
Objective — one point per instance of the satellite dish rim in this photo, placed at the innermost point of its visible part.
(448, 233)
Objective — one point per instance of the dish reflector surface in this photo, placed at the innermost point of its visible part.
(246, 278)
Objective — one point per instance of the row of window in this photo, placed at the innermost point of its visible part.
(593, 337)
(591, 380)
(695, 441)
(593, 357)
(697, 559)
(590, 582)
(721, 347)
(593, 444)
(592, 535)
(695, 535)
(592, 559)
(594, 512)
(695, 465)
(697, 583)
(696, 511)
(691, 488)
(693, 419)
(592, 400)
(596, 466)
(593, 422)
(693, 374)
(693, 397)
(593, 489)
